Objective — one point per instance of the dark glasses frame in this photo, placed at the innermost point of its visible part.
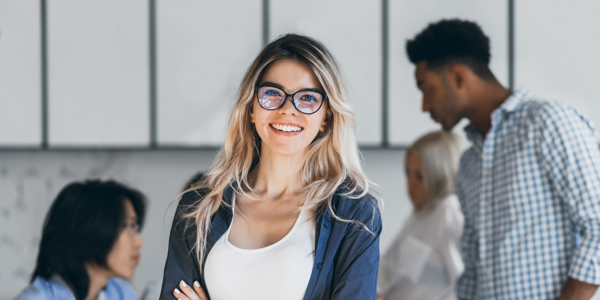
(324, 95)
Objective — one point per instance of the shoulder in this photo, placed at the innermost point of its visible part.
(354, 207)
(117, 288)
(451, 211)
(188, 203)
(40, 288)
(451, 203)
(190, 199)
(550, 114)
(560, 125)
(33, 292)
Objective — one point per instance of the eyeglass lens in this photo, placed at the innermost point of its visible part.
(272, 98)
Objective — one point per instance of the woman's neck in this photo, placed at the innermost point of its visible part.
(98, 279)
(276, 176)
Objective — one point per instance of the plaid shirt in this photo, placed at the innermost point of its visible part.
(530, 194)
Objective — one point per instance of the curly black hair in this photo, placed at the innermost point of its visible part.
(449, 42)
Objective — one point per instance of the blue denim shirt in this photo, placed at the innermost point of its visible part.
(346, 254)
(57, 289)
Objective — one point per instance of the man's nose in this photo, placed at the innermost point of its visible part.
(425, 106)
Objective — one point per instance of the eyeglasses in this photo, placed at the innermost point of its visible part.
(306, 101)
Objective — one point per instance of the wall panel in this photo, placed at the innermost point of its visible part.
(20, 74)
(98, 76)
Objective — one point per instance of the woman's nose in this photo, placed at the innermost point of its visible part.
(139, 242)
(288, 107)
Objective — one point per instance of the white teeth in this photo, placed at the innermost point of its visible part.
(286, 128)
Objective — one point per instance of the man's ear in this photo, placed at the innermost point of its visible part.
(458, 74)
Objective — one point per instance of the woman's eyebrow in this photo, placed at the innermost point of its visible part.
(273, 84)
(279, 86)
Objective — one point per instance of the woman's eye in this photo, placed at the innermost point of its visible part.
(272, 93)
(133, 227)
(309, 98)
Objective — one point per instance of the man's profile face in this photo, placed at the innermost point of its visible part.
(439, 97)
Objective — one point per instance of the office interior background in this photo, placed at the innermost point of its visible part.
(140, 91)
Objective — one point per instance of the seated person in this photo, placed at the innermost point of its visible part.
(90, 242)
(424, 260)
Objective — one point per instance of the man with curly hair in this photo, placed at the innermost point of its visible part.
(529, 185)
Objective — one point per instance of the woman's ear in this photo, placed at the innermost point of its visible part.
(327, 118)
(251, 115)
(323, 126)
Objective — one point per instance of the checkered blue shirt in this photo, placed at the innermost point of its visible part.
(530, 194)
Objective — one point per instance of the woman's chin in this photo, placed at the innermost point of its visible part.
(284, 149)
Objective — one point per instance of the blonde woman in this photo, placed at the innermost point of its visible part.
(284, 212)
(424, 260)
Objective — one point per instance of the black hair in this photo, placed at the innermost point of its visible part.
(449, 42)
(81, 227)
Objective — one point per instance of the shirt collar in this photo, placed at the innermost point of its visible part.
(514, 102)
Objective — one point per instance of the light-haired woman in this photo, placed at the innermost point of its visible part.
(284, 211)
(424, 260)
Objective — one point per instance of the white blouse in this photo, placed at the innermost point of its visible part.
(424, 260)
(279, 271)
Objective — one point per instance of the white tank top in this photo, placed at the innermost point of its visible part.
(279, 271)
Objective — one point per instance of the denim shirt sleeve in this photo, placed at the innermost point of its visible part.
(357, 264)
(181, 261)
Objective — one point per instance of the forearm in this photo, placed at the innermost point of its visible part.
(576, 290)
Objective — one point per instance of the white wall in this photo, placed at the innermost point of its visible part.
(29, 181)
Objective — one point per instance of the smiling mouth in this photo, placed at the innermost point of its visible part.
(286, 128)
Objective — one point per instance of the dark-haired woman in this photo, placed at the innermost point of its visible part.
(90, 243)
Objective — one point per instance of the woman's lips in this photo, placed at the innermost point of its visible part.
(286, 129)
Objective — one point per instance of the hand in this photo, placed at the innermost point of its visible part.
(185, 292)
(379, 297)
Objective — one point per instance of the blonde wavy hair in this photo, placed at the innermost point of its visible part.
(440, 153)
(332, 159)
